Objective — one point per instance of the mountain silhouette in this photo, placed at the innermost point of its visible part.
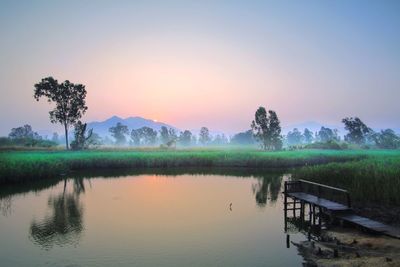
(101, 127)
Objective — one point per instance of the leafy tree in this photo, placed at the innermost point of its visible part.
(135, 136)
(23, 132)
(167, 135)
(308, 136)
(24, 135)
(118, 132)
(294, 137)
(185, 138)
(204, 136)
(148, 135)
(326, 134)
(386, 139)
(266, 129)
(244, 138)
(358, 131)
(69, 99)
(83, 137)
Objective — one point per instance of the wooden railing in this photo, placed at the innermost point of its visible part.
(319, 190)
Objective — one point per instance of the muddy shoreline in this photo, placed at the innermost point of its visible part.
(349, 247)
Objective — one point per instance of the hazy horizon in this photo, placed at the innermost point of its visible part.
(207, 63)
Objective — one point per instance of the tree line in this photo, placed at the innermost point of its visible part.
(70, 105)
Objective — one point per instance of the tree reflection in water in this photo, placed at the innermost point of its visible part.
(64, 225)
(267, 188)
(5, 205)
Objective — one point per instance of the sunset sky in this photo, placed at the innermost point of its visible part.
(204, 63)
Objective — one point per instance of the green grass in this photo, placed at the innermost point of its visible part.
(32, 165)
(370, 175)
(374, 179)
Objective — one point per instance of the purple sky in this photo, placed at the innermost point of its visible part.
(204, 63)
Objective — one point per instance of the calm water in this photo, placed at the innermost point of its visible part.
(146, 220)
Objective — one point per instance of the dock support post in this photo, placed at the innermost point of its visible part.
(294, 208)
(313, 212)
(285, 205)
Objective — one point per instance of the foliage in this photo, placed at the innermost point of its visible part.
(185, 138)
(386, 139)
(204, 136)
(148, 136)
(326, 134)
(135, 136)
(23, 132)
(357, 130)
(83, 138)
(294, 137)
(327, 145)
(167, 135)
(26, 142)
(308, 136)
(244, 138)
(375, 178)
(25, 136)
(69, 99)
(118, 132)
(33, 165)
(266, 129)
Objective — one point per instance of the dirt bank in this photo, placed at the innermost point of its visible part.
(350, 247)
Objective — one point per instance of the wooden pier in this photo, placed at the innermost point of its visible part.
(331, 203)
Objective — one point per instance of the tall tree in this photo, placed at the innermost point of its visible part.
(135, 136)
(358, 131)
(204, 136)
(266, 129)
(69, 99)
(118, 132)
(164, 135)
(167, 135)
(386, 139)
(308, 136)
(148, 135)
(24, 135)
(294, 137)
(23, 132)
(83, 137)
(326, 134)
(185, 138)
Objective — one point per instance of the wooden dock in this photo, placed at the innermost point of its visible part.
(329, 202)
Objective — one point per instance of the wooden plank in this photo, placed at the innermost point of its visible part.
(372, 225)
(319, 201)
(342, 211)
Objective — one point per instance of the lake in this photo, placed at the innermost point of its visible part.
(147, 220)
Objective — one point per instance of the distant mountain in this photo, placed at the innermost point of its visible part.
(101, 127)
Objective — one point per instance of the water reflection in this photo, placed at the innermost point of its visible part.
(64, 225)
(267, 188)
(148, 220)
(5, 205)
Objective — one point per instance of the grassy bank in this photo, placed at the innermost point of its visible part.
(374, 179)
(16, 166)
